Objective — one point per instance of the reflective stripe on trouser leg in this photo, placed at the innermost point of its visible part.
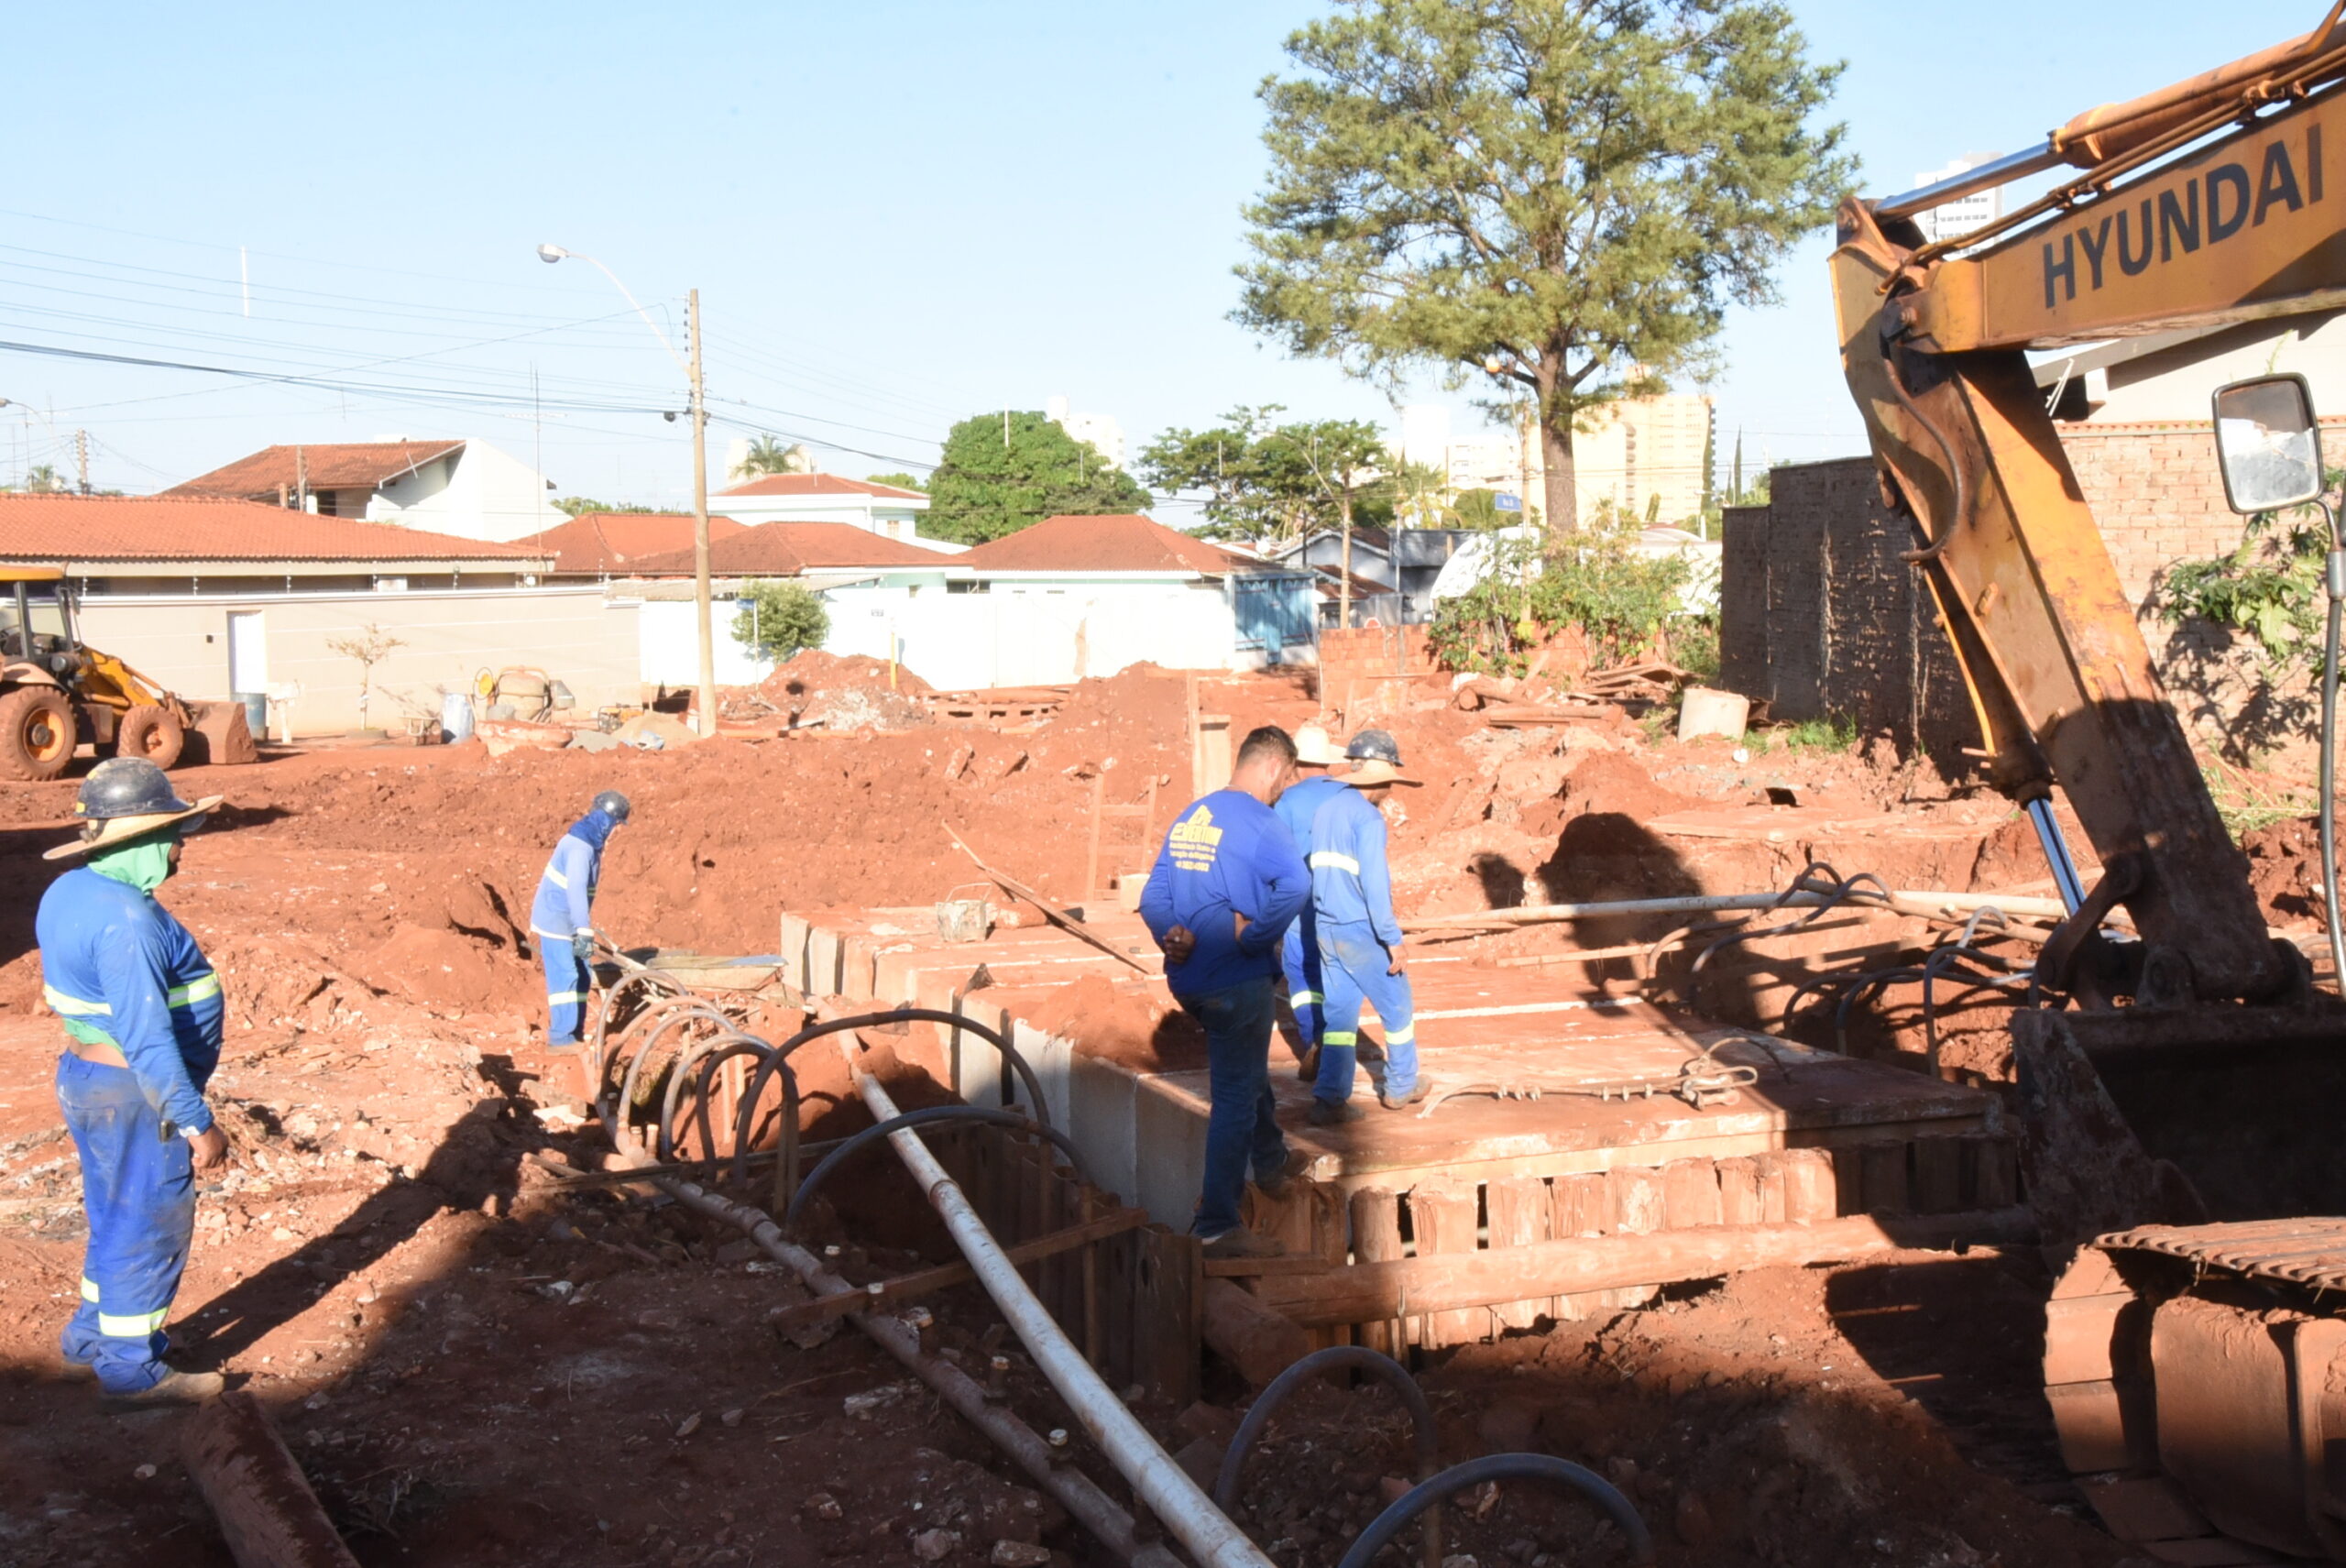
(139, 1192)
(1352, 964)
(1303, 998)
(566, 988)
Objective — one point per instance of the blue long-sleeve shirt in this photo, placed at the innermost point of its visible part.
(1301, 802)
(117, 966)
(565, 904)
(1351, 884)
(1225, 855)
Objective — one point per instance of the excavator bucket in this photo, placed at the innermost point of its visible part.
(2178, 1114)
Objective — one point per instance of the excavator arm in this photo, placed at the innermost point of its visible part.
(2245, 226)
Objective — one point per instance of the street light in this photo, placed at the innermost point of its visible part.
(690, 368)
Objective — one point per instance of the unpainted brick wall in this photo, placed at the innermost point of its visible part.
(1357, 664)
(1819, 617)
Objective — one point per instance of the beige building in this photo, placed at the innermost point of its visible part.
(1629, 454)
(216, 597)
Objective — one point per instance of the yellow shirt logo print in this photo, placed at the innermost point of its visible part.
(1195, 841)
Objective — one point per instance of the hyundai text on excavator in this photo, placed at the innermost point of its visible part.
(57, 694)
(2183, 1088)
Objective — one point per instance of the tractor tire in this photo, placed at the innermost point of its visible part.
(152, 733)
(37, 735)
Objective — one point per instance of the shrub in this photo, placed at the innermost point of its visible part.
(1621, 600)
(780, 620)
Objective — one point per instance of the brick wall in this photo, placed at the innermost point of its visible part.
(1357, 664)
(1849, 629)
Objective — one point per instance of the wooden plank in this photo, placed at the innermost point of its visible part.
(1812, 1184)
(1169, 1321)
(1939, 1176)
(1690, 1193)
(1443, 1219)
(1440, 1282)
(1995, 1170)
(1739, 1201)
(1377, 1238)
(1519, 1211)
(1884, 1185)
(1581, 1204)
(257, 1491)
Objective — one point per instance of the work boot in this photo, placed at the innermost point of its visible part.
(73, 1371)
(1332, 1113)
(1275, 1185)
(1243, 1243)
(175, 1388)
(1406, 1100)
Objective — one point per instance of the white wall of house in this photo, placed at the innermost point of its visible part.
(576, 634)
(476, 493)
(887, 517)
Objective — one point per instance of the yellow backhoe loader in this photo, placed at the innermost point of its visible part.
(2183, 1088)
(57, 694)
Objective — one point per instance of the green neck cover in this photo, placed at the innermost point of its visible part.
(144, 863)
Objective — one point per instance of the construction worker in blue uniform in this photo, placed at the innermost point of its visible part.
(562, 917)
(1360, 941)
(142, 1012)
(1226, 885)
(1299, 955)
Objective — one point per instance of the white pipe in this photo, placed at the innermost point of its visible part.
(1188, 1513)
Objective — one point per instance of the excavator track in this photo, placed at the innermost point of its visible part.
(2196, 1376)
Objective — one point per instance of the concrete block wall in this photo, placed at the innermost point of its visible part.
(1819, 617)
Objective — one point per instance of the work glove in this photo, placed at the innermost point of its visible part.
(581, 946)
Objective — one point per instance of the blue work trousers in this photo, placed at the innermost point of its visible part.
(139, 1192)
(1302, 961)
(1352, 966)
(567, 991)
(1240, 1125)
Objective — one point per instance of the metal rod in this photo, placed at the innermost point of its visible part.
(1906, 900)
(1157, 1483)
(2065, 879)
(1987, 176)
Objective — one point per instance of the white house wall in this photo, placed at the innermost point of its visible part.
(487, 495)
(572, 633)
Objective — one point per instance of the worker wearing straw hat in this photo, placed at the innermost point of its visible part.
(142, 1012)
(1360, 941)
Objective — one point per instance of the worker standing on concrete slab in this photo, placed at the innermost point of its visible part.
(143, 1014)
(1226, 885)
(1300, 953)
(1360, 941)
(562, 917)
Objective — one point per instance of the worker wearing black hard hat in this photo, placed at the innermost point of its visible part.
(562, 917)
(1360, 941)
(143, 1015)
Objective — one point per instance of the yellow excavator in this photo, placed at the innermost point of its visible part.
(2182, 1088)
(57, 693)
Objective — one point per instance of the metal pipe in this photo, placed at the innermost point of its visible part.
(1162, 1485)
(2067, 880)
(1984, 177)
(1905, 900)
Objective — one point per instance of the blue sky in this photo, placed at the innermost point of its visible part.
(897, 214)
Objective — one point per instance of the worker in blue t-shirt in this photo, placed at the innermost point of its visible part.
(1226, 885)
(1360, 940)
(1299, 955)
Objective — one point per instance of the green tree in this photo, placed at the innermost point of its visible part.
(576, 505)
(1562, 195)
(43, 479)
(1267, 481)
(902, 481)
(781, 619)
(1006, 471)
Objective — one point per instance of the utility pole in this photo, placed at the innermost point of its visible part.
(700, 520)
(82, 459)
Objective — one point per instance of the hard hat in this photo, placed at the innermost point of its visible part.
(613, 804)
(1377, 759)
(126, 798)
(1313, 747)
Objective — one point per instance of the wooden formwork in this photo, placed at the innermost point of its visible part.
(1132, 1301)
(1955, 1174)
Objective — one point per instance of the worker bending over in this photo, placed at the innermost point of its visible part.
(562, 917)
(1300, 953)
(142, 1012)
(1226, 885)
(1360, 941)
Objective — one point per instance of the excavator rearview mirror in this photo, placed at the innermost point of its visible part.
(2268, 444)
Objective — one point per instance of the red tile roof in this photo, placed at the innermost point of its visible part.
(598, 542)
(337, 466)
(786, 549)
(1125, 543)
(820, 485)
(96, 528)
